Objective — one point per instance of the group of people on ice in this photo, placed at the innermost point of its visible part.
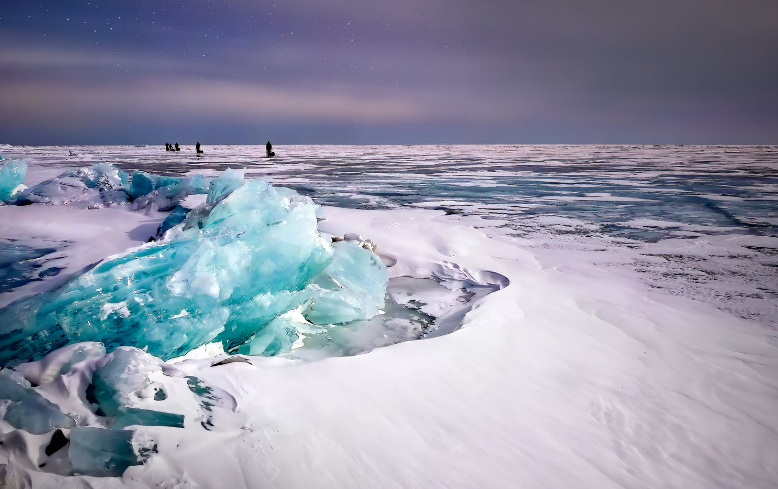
(174, 147)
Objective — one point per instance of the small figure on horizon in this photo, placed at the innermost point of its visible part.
(269, 150)
(177, 148)
(197, 148)
(167, 146)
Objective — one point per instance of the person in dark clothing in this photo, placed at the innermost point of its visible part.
(269, 150)
(177, 148)
(197, 148)
(167, 146)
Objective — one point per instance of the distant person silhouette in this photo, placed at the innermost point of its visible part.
(177, 148)
(197, 148)
(269, 150)
(167, 146)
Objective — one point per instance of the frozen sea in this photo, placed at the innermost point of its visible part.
(601, 316)
(696, 221)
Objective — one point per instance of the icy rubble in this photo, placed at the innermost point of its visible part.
(11, 177)
(100, 452)
(59, 362)
(232, 273)
(101, 184)
(118, 389)
(164, 193)
(24, 408)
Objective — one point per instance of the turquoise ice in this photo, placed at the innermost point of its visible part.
(251, 255)
(101, 453)
(164, 193)
(144, 183)
(26, 409)
(11, 176)
(176, 217)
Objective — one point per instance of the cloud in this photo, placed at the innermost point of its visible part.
(565, 70)
(224, 100)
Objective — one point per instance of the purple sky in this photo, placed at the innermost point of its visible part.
(394, 71)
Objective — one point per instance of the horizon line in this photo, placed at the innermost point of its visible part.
(397, 144)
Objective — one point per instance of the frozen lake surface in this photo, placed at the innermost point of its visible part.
(695, 221)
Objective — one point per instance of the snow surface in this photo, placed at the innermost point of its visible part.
(569, 373)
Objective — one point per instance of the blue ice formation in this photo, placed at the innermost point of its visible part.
(28, 410)
(124, 379)
(176, 217)
(164, 193)
(101, 453)
(144, 183)
(11, 176)
(125, 376)
(103, 184)
(98, 185)
(249, 257)
(119, 382)
(59, 362)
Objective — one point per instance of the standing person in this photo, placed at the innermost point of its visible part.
(197, 148)
(167, 146)
(177, 148)
(269, 149)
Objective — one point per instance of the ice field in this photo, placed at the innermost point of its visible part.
(589, 316)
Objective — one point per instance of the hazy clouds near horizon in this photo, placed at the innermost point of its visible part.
(402, 71)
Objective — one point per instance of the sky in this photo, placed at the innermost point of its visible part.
(389, 71)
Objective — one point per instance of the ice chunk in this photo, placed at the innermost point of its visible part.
(59, 362)
(250, 254)
(222, 187)
(11, 176)
(353, 286)
(146, 417)
(124, 378)
(27, 409)
(144, 183)
(101, 184)
(166, 192)
(176, 217)
(276, 337)
(101, 453)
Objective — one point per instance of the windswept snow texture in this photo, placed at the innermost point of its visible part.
(11, 176)
(249, 255)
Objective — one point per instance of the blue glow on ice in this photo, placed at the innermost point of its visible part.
(164, 193)
(144, 183)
